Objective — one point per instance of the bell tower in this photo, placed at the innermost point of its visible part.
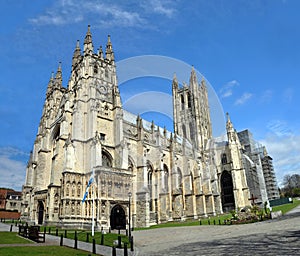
(191, 111)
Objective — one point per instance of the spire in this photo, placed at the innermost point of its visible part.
(175, 82)
(109, 51)
(58, 76)
(193, 77)
(76, 54)
(100, 52)
(88, 44)
(203, 83)
(229, 125)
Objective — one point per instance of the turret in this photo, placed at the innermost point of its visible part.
(88, 44)
(76, 55)
(109, 54)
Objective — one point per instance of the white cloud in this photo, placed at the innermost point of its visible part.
(160, 7)
(103, 13)
(266, 96)
(227, 89)
(243, 99)
(279, 128)
(288, 95)
(12, 168)
(285, 151)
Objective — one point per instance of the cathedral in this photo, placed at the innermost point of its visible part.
(143, 174)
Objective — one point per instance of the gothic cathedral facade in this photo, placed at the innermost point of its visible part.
(163, 175)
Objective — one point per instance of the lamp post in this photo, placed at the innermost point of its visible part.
(129, 215)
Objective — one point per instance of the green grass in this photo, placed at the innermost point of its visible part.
(108, 240)
(12, 238)
(204, 221)
(286, 207)
(41, 251)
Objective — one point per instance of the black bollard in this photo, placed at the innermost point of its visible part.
(16, 224)
(209, 222)
(109, 230)
(49, 231)
(44, 231)
(94, 246)
(61, 240)
(75, 242)
(65, 233)
(126, 232)
(119, 241)
(102, 239)
(200, 222)
(214, 222)
(56, 232)
(11, 228)
(131, 243)
(87, 238)
(114, 252)
(125, 249)
(219, 222)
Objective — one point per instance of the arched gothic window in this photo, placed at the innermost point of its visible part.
(224, 159)
(166, 178)
(179, 178)
(106, 160)
(182, 101)
(95, 69)
(184, 131)
(150, 185)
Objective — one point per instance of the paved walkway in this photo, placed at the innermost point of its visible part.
(274, 237)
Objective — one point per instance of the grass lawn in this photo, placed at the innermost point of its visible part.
(204, 221)
(286, 207)
(41, 251)
(12, 238)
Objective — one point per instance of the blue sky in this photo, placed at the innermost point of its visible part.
(249, 51)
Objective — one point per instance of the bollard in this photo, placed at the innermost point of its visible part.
(208, 221)
(11, 226)
(75, 241)
(119, 241)
(102, 239)
(114, 252)
(126, 232)
(56, 232)
(200, 222)
(61, 240)
(125, 249)
(219, 222)
(49, 231)
(87, 237)
(94, 246)
(16, 224)
(214, 222)
(44, 231)
(109, 230)
(131, 243)
(65, 233)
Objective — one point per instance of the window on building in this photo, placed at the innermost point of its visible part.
(150, 185)
(95, 69)
(224, 159)
(102, 136)
(182, 101)
(106, 160)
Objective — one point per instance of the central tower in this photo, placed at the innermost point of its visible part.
(191, 111)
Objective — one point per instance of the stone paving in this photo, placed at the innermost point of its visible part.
(274, 237)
